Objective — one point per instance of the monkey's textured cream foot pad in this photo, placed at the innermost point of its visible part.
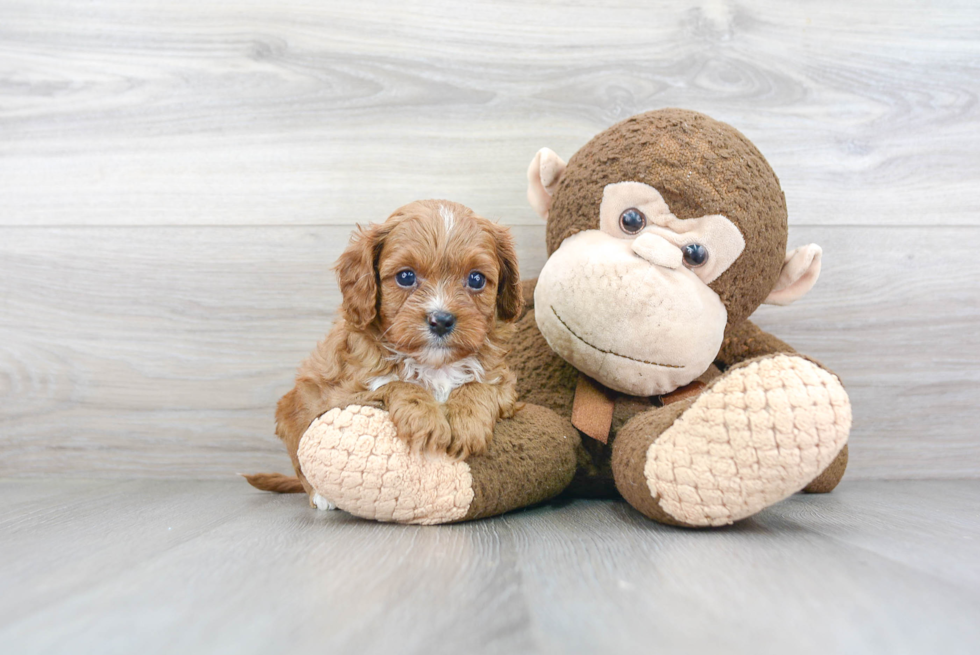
(759, 434)
(353, 458)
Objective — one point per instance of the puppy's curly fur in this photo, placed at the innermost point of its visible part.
(444, 391)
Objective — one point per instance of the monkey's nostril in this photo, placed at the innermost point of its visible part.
(441, 323)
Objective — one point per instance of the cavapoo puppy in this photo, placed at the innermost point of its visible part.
(429, 299)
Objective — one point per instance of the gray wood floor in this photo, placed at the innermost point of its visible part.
(214, 566)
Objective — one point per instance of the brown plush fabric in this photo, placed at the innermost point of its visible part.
(831, 477)
(527, 290)
(593, 475)
(629, 458)
(543, 378)
(629, 406)
(745, 341)
(701, 166)
(518, 471)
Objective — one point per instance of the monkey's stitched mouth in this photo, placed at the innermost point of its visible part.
(607, 352)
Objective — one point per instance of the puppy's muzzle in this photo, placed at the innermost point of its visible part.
(441, 323)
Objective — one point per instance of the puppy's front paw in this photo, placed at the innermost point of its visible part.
(320, 502)
(422, 426)
(471, 431)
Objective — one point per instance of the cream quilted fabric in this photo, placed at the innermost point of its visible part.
(760, 434)
(353, 458)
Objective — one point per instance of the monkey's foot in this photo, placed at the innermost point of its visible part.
(354, 460)
(760, 433)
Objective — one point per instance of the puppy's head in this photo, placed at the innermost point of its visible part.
(433, 281)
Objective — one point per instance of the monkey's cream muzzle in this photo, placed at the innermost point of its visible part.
(623, 307)
(642, 324)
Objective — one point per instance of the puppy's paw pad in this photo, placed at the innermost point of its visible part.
(322, 503)
(354, 457)
(758, 435)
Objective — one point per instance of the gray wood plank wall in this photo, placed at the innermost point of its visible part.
(177, 178)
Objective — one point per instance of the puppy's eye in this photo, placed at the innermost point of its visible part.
(476, 280)
(695, 255)
(632, 221)
(405, 278)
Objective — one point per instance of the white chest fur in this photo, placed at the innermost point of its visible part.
(440, 380)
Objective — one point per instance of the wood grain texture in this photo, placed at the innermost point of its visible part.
(123, 113)
(162, 351)
(167, 566)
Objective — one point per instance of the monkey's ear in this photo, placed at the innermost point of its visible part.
(543, 176)
(800, 271)
(357, 274)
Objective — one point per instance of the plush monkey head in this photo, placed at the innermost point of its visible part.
(664, 232)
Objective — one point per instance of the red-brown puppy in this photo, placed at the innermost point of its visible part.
(429, 297)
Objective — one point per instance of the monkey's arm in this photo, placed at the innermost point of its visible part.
(747, 341)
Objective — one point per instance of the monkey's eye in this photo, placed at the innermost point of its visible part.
(476, 280)
(632, 221)
(695, 255)
(406, 278)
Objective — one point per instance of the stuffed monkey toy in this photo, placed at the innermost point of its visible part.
(641, 373)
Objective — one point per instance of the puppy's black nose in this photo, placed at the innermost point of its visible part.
(441, 323)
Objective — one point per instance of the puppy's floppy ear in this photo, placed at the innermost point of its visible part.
(358, 275)
(510, 298)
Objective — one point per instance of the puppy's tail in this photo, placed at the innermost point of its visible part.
(277, 482)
